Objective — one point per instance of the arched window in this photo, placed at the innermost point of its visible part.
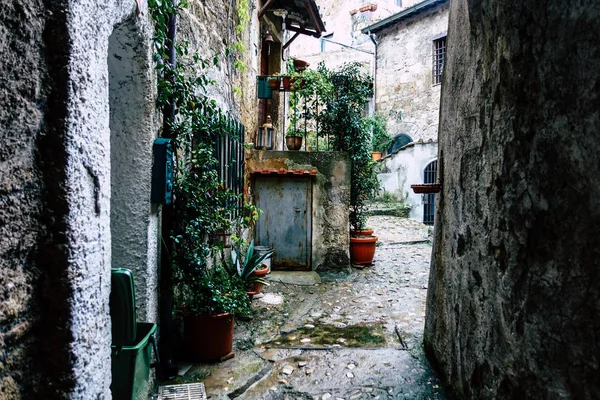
(430, 176)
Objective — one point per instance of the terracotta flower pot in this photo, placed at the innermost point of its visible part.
(300, 65)
(208, 337)
(274, 83)
(257, 287)
(426, 188)
(361, 232)
(362, 249)
(376, 155)
(293, 142)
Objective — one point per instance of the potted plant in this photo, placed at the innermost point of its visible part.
(206, 296)
(293, 138)
(343, 122)
(274, 82)
(251, 268)
(380, 139)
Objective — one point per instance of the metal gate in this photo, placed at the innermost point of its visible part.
(286, 223)
(429, 198)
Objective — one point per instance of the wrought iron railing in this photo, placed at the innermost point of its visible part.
(228, 139)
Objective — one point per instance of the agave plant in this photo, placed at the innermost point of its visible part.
(251, 262)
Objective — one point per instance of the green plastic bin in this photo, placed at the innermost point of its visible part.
(131, 365)
(122, 307)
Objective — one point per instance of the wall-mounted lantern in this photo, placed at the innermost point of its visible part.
(266, 135)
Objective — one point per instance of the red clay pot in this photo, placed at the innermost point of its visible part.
(257, 287)
(362, 249)
(208, 337)
(361, 232)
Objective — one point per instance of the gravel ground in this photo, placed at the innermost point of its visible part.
(357, 335)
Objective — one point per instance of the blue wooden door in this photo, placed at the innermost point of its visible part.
(429, 198)
(285, 224)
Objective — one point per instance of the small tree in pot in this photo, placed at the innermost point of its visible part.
(344, 123)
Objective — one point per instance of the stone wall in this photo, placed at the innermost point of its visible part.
(513, 302)
(330, 200)
(405, 91)
(24, 88)
(210, 28)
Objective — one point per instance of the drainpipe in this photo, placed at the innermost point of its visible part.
(168, 369)
(374, 40)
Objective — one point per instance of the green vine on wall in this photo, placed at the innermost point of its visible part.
(203, 205)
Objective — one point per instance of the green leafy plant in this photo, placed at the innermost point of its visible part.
(381, 139)
(212, 291)
(308, 87)
(250, 263)
(342, 121)
(203, 205)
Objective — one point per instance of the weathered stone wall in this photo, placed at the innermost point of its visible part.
(24, 88)
(210, 27)
(346, 26)
(405, 91)
(514, 300)
(330, 200)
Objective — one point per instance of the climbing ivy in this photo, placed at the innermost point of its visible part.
(203, 205)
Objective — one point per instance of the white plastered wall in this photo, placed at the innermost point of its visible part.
(88, 145)
(404, 168)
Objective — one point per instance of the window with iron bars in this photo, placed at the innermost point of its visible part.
(439, 57)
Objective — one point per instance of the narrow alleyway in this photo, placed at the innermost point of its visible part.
(356, 335)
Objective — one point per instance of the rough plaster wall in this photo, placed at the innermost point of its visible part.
(24, 92)
(331, 199)
(405, 93)
(89, 188)
(134, 220)
(513, 301)
(404, 168)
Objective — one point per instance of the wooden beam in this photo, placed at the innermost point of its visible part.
(264, 8)
(313, 16)
(304, 31)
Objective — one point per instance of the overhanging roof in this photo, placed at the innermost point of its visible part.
(402, 15)
(303, 16)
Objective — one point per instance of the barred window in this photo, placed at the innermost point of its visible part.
(439, 57)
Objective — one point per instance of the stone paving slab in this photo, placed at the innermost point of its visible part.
(372, 317)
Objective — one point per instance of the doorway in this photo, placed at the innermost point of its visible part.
(286, 223)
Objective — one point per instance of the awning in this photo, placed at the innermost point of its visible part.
(301, 16)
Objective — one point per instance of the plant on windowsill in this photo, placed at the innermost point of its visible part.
(381, 139)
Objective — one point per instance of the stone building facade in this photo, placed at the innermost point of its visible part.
(410, 56)
(78, 121)
(395, 41)
(514, 300)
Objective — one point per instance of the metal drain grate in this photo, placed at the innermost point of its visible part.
(190, 391)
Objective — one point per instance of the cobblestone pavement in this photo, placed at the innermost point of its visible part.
(357, 335)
